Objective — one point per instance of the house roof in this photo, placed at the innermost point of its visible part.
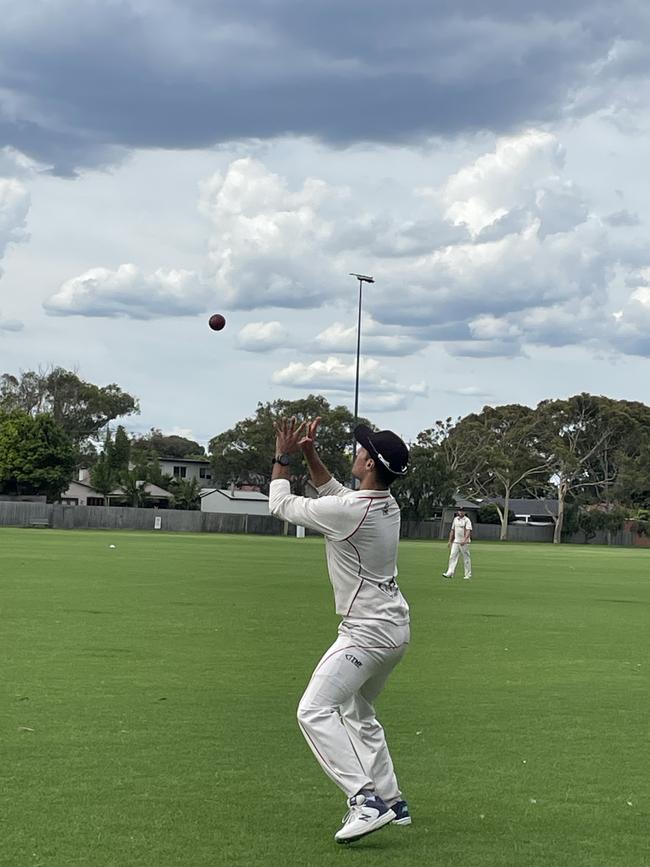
(462, 503)
(518, 505)
(235, 495)
(155, 491)
(169, 460)
(527, 506)
(149, 488)
(82, 484)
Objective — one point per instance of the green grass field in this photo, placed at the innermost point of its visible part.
(148, 694)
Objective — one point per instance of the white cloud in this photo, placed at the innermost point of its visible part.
(14, 207)
(333, 374)
(263, 337)
(15, 203)
(537, 268)
(186, 432)
(488, 327)
(375, 339)
(511, 176)
(630, 331)
(15, 164)
(269, 244)
(504, 254)
(469, 391)
(623, 218)
(484, 348)
(128, 292)
(11, 325)
(378, 389)
(572, 323)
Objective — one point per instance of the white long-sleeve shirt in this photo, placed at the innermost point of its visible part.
(361, 530)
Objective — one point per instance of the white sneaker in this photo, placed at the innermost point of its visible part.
(365, 815)
(444, 575)
(467, 578)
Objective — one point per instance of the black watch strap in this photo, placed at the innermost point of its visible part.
(283, 460)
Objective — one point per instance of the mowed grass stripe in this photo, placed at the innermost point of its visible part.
(161, 677)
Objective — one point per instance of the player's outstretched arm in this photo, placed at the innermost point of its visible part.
(319, 473)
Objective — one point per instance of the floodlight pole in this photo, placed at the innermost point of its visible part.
(362, 278)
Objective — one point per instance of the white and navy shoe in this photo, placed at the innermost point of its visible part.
(366, 814)
(402, 815)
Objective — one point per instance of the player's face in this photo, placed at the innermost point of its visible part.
(359, 468)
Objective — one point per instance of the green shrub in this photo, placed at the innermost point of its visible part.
(489, 514)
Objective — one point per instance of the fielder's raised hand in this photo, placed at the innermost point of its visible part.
(288, 434)
(309, 439)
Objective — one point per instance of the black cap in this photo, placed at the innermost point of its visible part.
(385, 447)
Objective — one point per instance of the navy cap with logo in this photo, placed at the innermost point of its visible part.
(385, 447)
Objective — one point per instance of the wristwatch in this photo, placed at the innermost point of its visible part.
(284, 460)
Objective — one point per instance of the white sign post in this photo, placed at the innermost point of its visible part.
(157, 523)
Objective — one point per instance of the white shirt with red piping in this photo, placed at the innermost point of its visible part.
(361, 530)
(461, 526)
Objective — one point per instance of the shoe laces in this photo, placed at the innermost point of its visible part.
(354, 808)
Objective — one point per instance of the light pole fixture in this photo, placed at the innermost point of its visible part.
(362, 278)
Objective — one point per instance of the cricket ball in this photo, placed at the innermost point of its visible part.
(217, 322)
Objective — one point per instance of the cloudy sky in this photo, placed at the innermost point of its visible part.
(486, 162)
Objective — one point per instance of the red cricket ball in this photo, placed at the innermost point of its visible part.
(217, 322)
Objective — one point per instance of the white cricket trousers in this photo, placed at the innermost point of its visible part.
(337, 715)
(456, 550)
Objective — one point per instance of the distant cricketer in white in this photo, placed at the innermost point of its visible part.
(460, 537)
(361, 528)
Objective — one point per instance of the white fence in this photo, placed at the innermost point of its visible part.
(20, 514)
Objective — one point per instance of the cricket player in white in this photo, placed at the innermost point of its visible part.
(361, 527)
(459, 541)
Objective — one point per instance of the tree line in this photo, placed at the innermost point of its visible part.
(52, 423)
(590, 453)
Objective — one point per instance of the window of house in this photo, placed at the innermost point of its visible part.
(204, 473)
(95, 501)
(180, 472)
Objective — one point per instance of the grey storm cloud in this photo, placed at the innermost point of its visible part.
(81, 82)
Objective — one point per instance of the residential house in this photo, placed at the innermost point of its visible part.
(529, 511)
(82, 493)
(188, 469)
(234, 501)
